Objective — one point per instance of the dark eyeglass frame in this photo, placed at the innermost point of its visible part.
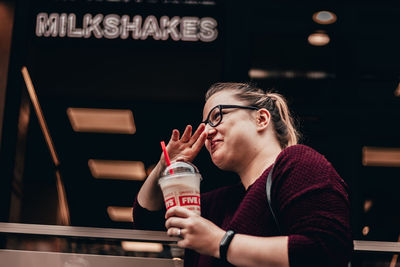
(221, 107)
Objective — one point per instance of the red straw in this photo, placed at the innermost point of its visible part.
(164, 149)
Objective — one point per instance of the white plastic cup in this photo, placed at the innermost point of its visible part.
(180, 185)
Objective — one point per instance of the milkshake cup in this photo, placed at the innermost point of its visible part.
(180, 185)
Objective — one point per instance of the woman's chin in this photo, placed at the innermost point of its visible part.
(219, 161)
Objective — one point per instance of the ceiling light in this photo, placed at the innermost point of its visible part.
(102, 120)
(324, 17)
(120, 214)
(319, 39)
(141, 246)
(381, 156)
(117, 169)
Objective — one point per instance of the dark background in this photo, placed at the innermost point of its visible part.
(163, 83)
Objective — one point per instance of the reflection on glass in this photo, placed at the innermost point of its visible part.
(120, 214)
(381, 156)
(102, 120)
(117, 169)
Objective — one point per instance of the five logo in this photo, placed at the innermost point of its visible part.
(188, 200)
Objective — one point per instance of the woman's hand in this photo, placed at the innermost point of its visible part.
(204, 237)
(198, 233)
(188, 146)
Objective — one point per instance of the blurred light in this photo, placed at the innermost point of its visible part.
(102, 120)
(319, 39)
(117, 169)
(258, 74)
(367, 205)
(324, 17)
(141, 246)
(381, 156)
(316, 75)
(397, 91)
(365, 230)
(120, 214)
(289, 74)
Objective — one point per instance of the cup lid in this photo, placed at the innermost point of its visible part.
(179, 167)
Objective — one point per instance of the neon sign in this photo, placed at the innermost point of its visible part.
(114, 26)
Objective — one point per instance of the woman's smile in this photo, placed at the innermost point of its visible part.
(214, 144)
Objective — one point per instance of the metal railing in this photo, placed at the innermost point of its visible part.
(76, 241)
(376, 246)
(88, 232)
(31, 245)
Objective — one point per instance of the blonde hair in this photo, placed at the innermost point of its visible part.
(275, 103)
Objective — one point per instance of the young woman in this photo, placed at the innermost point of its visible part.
(251, 133)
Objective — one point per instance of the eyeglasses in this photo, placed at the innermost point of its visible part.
(214, 117)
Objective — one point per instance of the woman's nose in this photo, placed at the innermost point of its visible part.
(210, 131)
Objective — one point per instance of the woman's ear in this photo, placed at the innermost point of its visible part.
(263, 119)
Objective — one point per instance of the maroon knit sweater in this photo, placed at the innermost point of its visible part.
(308, 196)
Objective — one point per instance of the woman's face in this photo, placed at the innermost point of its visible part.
(230, 143)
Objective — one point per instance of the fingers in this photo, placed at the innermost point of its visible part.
(175, 222)
(175, 135)
(177, 211)
(174, 231)
(188, 146)
(176, 217)
(197, 133)
(182, 244)
(186, 134)
(199, 143)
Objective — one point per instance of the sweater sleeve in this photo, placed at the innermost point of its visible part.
(144, 219)
(313, 206)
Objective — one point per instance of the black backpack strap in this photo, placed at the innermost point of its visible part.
(268, 191)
